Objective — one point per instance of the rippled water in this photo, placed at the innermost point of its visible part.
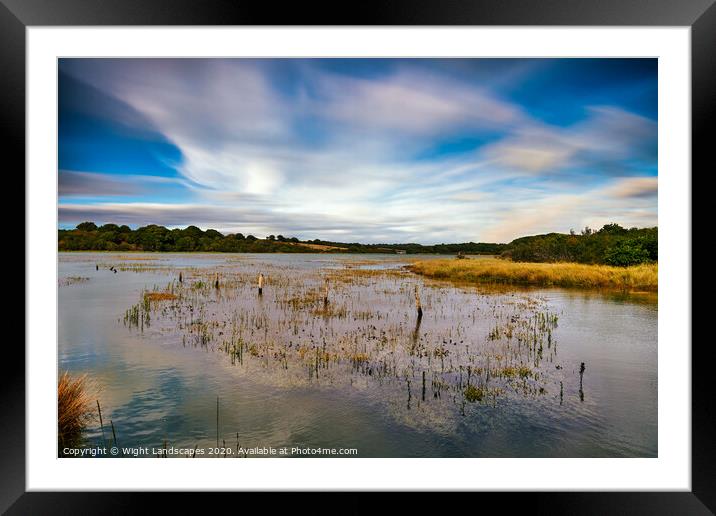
(501, 368)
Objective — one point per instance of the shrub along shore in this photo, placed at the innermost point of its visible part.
(635, 278)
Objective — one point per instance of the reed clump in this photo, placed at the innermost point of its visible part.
(74, 409)
(159, 296)
(474, 394)
(568, 275)
(512, 372)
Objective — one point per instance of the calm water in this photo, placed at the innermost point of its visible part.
(501, 368)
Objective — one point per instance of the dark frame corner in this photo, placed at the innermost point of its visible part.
(700, 15)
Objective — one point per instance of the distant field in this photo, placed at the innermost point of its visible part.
(569, 275)
(318, 247)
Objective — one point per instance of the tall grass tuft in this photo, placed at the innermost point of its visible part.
(569, 275)
(74, 409)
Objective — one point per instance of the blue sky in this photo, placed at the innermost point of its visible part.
(370, 150)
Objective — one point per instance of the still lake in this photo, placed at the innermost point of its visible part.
(485, 372)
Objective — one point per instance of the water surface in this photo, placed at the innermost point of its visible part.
(501, 367)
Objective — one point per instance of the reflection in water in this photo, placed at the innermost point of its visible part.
(477, 375)
(416, 334)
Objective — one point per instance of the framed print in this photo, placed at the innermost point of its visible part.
(416, 250)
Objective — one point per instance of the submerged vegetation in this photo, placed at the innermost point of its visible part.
(569, 275)
(71, 280)
(349, 327)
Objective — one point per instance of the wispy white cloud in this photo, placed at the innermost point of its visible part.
(630, 187)
(605, 138)
(410, 102)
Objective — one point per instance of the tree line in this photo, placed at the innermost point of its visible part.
(87, 236)
(613, 244)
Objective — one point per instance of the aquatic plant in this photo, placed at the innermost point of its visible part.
(474, 394)
(159, 296)
(74, 409)
(467, 347)
(72, 280)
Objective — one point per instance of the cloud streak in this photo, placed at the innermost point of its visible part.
(92, 184)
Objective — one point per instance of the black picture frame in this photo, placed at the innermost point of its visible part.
(700, 15)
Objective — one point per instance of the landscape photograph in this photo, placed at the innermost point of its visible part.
(357, 257)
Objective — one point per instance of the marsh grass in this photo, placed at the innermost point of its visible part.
(569, 275)
(468, 349)
(74, 409)
(513, 372)
(474, 394)
(160, 296)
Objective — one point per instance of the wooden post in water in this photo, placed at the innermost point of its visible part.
(261, 284)
(180, 278)
(581, 377)
(216, 280)
(325, 293)
(417, 303)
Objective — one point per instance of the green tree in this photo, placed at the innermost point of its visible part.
(612, 229)
(625, 253)
(87, 226)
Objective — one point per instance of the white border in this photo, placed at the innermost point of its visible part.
(671, 470)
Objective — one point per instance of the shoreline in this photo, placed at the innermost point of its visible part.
(104, 251)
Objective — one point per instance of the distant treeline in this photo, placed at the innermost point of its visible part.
(111, 237)
(613, 244)
(465, 248)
